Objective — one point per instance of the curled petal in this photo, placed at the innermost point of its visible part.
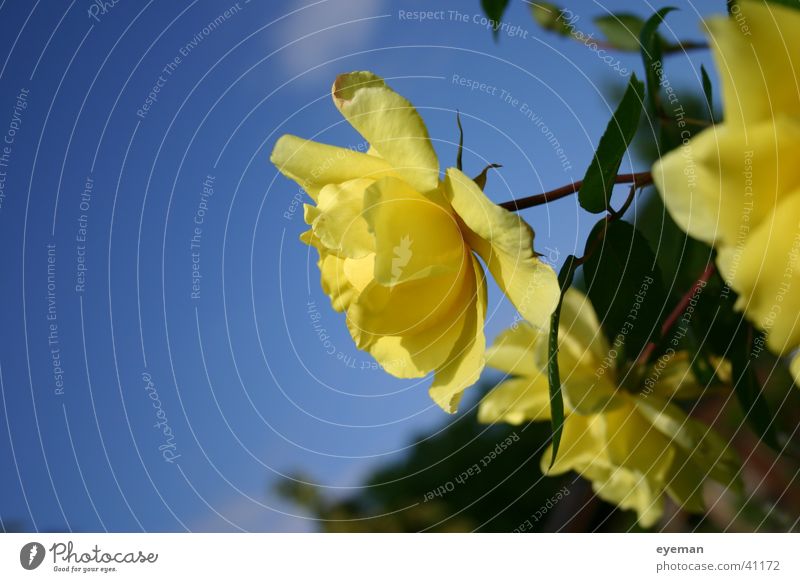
(313, 165)
(390, 124)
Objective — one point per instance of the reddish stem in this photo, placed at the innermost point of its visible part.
(639, 179)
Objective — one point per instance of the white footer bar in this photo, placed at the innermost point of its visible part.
(401, 557)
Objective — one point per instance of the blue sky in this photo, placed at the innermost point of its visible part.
(140, 137)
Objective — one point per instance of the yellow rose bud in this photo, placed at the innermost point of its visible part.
(634, 446)
(736, 185)
(397, 245)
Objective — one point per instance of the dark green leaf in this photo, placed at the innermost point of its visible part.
(595, 192)
(754, 406)
(651, 44)
(480, 179)
(680, 260)
(621, 30)
(556, 398)
(494, 10)
(625, 285)
(708, 91)
(460, 154)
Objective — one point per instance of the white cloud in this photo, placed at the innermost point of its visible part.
(329, 29)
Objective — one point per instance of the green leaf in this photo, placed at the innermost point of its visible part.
(708, 91)
(621, 30)
(754, 406)
(565, 277)
(494, 10)
(624, 285)
(550, 17)
(460, 154)
(651, 46)
(595, 192)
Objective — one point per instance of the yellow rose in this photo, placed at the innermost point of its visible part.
(736, 186)
(397, 245)
(634, 446)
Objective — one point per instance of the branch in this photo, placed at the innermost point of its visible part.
(638, 180)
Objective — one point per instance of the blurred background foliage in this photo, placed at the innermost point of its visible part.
(510, 493)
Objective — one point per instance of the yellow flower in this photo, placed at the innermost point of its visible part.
(736, 185)
(397, 245)
(634, 446)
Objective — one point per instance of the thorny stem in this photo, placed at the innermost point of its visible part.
(638, 180)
